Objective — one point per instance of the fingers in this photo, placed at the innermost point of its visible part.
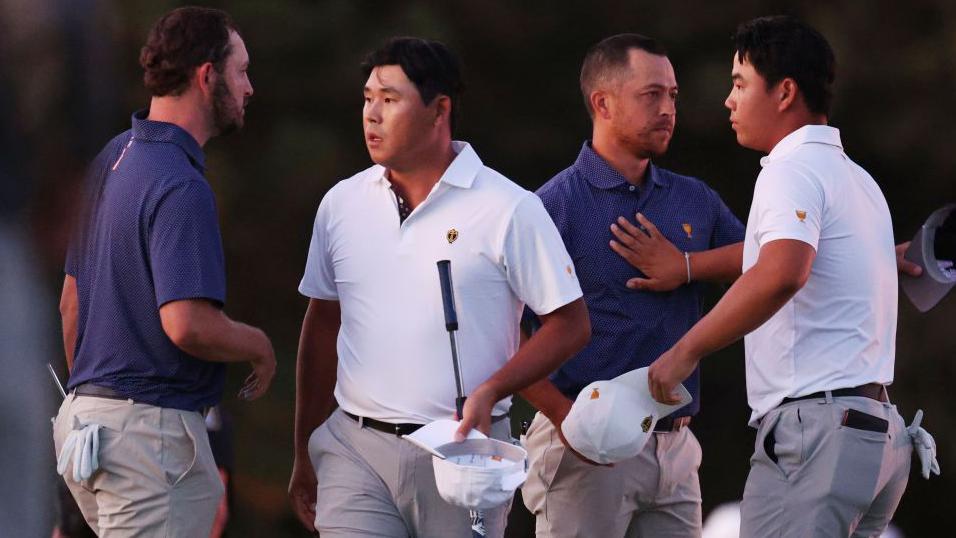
(903, 265)
(648, 225)
(466, 425)
(637, 233)
(304, 510)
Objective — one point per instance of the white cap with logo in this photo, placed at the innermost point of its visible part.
(612, 420)
(478, 473)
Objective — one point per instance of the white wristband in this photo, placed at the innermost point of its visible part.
(687, 260)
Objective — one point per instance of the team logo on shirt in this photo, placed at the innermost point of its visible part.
(646, 423)
(688, 229)
(452, 235)
(595, 394)
(569, 270)
(802, 215)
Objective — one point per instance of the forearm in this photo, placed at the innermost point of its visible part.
(750, 301)
(69, 315)
(220, 339)
(722, 264)
(315, 376)
(563, 333)
(547, 399)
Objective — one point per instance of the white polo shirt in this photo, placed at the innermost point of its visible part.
(839, 330)
(394, 358)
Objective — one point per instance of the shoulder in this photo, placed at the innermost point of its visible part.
(690, 187)
(353, 186)
(494, 187)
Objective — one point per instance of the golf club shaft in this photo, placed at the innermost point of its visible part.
(56, 380)
(451, 324)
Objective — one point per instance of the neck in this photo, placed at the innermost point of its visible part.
(416, 180)
(183, 112)
(790, 123)
(621, 158)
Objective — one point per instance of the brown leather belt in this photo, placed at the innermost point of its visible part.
(397, 429)
(873, 391)
(671, 424)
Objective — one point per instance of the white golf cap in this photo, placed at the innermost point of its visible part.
(478, 473)
(612, 420)
(938, 276)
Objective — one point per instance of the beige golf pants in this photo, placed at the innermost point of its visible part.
(653, 495)
(811, 475)
(157, 476)
(373, 483)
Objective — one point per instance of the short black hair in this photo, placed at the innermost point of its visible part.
(783, 46)
(604, 59)
(430, 65)
(181, 41)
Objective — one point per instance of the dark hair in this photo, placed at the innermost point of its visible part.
(604, 59)
(782, 47)
(430, 65)
(181, 41)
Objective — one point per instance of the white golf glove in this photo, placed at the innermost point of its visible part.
(83, 444)
(925, 446)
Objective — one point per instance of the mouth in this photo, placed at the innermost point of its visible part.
(372, 140)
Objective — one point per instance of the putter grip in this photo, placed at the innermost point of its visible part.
(447, 295)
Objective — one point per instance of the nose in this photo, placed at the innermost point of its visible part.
(371, 112)
(729, 101)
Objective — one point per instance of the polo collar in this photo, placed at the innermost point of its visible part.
(460, 173)
(161, 131)
(808, 134)
(602, 175)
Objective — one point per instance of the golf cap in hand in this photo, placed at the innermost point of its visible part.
(478, 473)
(612, 420)
(939, 276)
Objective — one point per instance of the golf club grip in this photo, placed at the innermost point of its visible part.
(460, 407)
(447, 295)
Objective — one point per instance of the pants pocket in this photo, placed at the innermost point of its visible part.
(180, 448)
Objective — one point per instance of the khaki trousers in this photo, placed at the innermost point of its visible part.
(811, 475)
(372, 483)
(655, 494)
(157, 476)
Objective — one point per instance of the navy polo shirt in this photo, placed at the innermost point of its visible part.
(148, 234)
(630, 329)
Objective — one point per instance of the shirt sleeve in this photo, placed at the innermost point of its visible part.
(318, 282)
(727, 227)
(788, 204)
(185, 248)
(538, 267)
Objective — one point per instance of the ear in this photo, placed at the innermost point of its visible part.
(601, 104)
(786, 94)
(206, 78)
(442, 109)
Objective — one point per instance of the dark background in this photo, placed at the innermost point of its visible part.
(69, 79)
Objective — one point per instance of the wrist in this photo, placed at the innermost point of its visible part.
(685, 351)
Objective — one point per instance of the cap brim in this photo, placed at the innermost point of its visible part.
(433, 435)
(926, 290)
(637, 379)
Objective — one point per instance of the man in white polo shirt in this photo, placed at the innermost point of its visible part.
(374, 329)
(817, 302)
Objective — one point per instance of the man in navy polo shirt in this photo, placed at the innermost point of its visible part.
(630, 91)
(143, 328)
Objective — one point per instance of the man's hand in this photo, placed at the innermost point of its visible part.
(651, 253)
(302, 491)
(903, 265)
(263, 370)
(477, 412)
(670, 369)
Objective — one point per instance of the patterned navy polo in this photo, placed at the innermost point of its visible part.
(630, 329)
(149, 234)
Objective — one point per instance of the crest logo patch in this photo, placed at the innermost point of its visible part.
(452, 235)
(646, 423)
(688, 229)
(802, 215)
(595, 394)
